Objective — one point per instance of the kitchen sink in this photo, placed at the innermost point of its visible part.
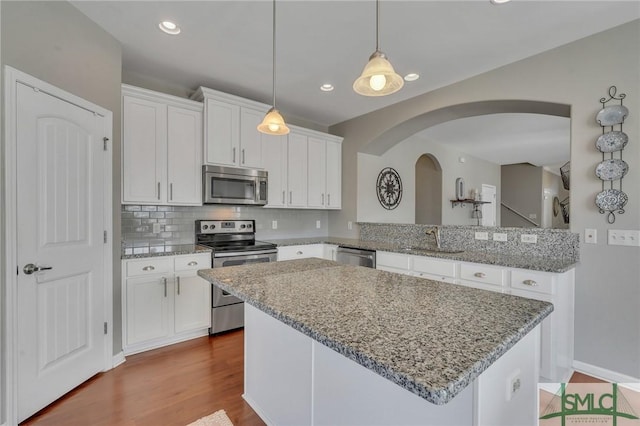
(430, 250)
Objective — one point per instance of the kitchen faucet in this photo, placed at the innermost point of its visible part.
(435, 231)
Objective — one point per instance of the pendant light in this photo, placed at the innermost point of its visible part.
(378, 77)
(273, 123)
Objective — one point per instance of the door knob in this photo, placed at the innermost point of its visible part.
(30, 268)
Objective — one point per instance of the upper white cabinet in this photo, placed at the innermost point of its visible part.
(274, 160)
(297, 169)
(161, 148)
(231, 134)
(334, 174)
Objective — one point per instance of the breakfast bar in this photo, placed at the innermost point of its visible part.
(337, 344)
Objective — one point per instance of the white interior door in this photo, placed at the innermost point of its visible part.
(488, 210)
(60, 222)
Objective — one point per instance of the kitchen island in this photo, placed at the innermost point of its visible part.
(334, 344)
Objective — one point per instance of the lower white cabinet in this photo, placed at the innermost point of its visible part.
(303, 251)
(164, 301)
(556, 337)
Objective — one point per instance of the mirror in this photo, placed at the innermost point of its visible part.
(517, 156)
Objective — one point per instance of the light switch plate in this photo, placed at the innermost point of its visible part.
(349, 225)
(482, 235)
(318, 225)
(274, 224)
(156, 228)
(498, 236)
(529, 238)
(623, 237)
(590, 236)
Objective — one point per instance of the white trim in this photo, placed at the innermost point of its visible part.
(108, 249)
(13, 76)
(603, 373)
(118, 359)
(150, 95)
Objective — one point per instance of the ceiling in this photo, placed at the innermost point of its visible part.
(542, 140)
(226, 45)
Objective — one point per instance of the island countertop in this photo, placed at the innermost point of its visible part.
(431, 338)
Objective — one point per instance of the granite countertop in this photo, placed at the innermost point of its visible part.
(536, 263)
(168, 250)
(431, 338)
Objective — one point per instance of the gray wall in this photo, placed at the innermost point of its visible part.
(56, 43)
(578, 74)
(522, 191)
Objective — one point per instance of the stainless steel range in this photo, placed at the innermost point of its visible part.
(233, 243)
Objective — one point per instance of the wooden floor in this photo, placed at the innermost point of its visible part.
(175, 385)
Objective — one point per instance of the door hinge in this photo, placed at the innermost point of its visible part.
(105, 140)
(105, 237)
(105, 328)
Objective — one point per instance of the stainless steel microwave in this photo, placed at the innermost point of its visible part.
(231, 185)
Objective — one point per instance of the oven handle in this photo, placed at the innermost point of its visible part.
(244, 253)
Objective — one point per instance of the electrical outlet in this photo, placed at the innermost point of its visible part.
(529, 238)
(349, 225)
(156, 228)
(533, 216)
(590, 236)
(513, 384)
(274, 224)
(318, 225)
(482, 235)
(498, 236)
(621, 237)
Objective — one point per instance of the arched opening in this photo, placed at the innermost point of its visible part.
(428, 190)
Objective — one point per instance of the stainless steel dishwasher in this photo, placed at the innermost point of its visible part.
(358, 257)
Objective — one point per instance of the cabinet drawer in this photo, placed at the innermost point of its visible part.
(193, 262)
(300, 252)
(434, 266)
(482, 274)
(149, 266)
(532, 281)
(434, 277)
(393, 260)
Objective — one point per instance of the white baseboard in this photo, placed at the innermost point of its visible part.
(603, 373)
(118, 359)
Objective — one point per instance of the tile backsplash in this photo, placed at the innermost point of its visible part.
(176, 224)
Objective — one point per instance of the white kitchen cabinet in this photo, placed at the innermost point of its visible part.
(484, 277)
(231, 134)
(434, 269)
(333, 198)
(300, 251)
(274, 159)
(161, 149)
(297, 170)
(316, 172)
(329, 251)
(164, 301)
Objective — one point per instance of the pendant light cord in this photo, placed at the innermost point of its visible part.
(377, 25)
(273, 48)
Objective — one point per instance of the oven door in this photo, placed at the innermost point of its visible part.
(244, 258)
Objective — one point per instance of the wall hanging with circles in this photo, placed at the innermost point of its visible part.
(611, 143)
(389, 188)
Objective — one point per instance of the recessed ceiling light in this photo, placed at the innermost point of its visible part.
(411, 77)
(327, 87)
(169, 27)
(499, 1)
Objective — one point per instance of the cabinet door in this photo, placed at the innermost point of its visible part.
(144, 145)
(223, 135)
(329, 251)
(192, 302)
(250, 154)
(274, 160)
(333, 195)
(297, 167)
(148, 308)
(184, 156)
(316, 172)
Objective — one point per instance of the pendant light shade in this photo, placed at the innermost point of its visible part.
(273, 123)
(378, 77)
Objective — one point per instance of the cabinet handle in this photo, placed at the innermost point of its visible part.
(479, 274)
(192, 263)
(164, 281)
(283, 201)
(178, 281)
(531, 283)
(243, 156)
(323, 199)
(158, 190)
(328, 199)
(290, 196)
(148, 268)
(298, 253)
(171, 191)
(234, 155)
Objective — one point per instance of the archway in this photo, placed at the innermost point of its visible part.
(428, 190)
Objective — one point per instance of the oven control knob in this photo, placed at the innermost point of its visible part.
(242, 226)
(249, 226)
(212, 226)
(205, 226)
